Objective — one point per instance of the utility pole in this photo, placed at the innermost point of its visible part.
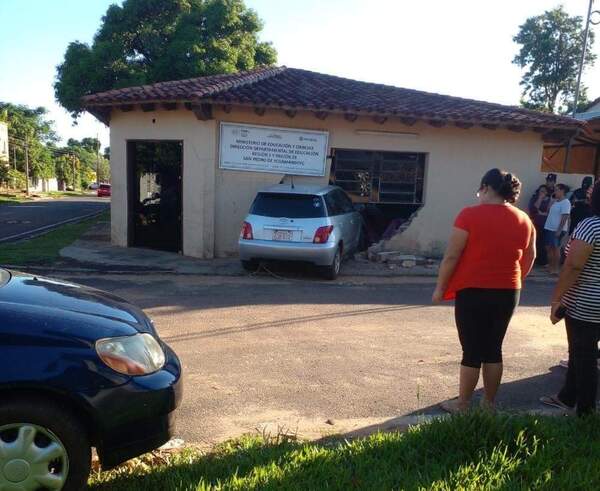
(72, 158)
(582, 61)
(98, 160)
(586, 31)
(27, 166)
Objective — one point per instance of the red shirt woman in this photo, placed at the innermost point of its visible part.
(490, 252)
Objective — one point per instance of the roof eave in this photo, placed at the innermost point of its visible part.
(575, 125)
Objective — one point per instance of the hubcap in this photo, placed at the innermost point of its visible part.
(337, 262)
(31, 458)
(16, 470)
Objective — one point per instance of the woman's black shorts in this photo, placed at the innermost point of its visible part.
(482, 317)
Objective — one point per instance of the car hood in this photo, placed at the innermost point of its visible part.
(36, 291)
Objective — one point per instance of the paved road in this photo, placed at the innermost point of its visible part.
(17, 221)
(293, 354)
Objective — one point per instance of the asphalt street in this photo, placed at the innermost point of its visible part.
(21, 220)
(318, 358)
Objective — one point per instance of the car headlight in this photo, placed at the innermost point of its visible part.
(139, 354)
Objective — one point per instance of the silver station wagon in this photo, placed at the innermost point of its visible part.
(315, 224)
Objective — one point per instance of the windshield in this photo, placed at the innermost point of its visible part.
(4, 277)
(281, 205)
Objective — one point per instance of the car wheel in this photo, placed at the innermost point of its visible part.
(250, 266)
(332, 271)
(42, 447)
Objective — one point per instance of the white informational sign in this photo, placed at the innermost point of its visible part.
(276, 150)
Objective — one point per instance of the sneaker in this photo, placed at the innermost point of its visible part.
(554, 401)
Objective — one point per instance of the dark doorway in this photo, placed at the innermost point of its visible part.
(155, 194)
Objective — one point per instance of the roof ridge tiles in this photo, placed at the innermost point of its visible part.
(245, 78)
(298, 88)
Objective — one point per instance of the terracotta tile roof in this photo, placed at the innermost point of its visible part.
(292, 88)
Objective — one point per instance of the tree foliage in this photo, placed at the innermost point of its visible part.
(30, 126)
(146, 41)
(551, 47)
(89, 161)
(75, 163)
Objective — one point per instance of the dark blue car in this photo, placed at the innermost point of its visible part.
(79, 368)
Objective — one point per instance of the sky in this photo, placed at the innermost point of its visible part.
(462, 48)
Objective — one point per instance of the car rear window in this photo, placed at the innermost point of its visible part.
(104, 186)
(280, 205)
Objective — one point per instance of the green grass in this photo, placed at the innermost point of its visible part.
(45, 248)
(19, 197)
(66, 194)
(473, 452)
(12, 199)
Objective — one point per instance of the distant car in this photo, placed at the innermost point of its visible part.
(103, 190)
(93, 186)
(79, 368)
(316, 224)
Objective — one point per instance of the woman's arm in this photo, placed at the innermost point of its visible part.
(529, 254)
(579, 253)
(456, 245)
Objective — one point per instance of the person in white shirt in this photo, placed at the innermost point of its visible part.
(557, 226)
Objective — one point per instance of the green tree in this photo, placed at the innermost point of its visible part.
(30, 126)
(146, 41)
(88, 152)
(551, 47)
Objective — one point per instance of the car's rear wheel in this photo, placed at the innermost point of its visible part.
(42, 447)
(332, 271)
(250, 266)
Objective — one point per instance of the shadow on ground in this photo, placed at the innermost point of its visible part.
(513, 397)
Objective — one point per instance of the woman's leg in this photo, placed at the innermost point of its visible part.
(492, 376)
(501, 305)
(581, 385)
(469, 376)
(468, 313)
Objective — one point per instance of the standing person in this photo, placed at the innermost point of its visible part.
(551, 183)
(557, 226)
(578, 290)
(585, 212)
(491, 250)
(580, 202)
(539, 205)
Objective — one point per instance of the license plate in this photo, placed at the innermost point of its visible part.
(283, 235)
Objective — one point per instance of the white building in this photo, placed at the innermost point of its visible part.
(207, 145)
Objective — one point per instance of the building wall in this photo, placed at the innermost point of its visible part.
(43, 185)
(199, 153)
(4, 157)
(216, 201)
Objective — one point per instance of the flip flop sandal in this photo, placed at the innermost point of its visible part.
(451, 406)
(554, 401)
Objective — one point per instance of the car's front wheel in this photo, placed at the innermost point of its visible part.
(332, 271)
(41, 446)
